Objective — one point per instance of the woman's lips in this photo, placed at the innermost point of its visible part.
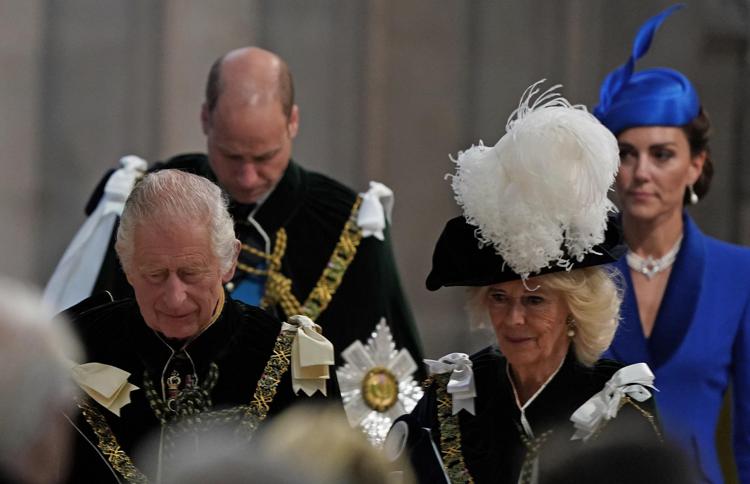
(518, 339)
(640, 195)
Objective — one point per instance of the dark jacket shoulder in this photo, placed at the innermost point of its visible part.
(195, 163)
(487, 356)
(254, 329)
(103, 322)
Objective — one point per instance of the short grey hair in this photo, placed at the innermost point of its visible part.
(175, 196)
(593, 295)
(35, 347)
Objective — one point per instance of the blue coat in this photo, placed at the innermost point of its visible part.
(700, 343)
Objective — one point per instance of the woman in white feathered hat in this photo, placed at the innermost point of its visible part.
(530, 245)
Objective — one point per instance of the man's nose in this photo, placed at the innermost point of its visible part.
(248, 173)
(175, 292)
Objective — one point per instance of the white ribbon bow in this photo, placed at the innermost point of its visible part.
(312, 354)
(76, 273)
(461, 383)
(633, 381)
(106, 384)
(376, 208)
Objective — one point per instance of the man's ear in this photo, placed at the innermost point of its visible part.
(205, 119)
(127, 277)
(229, 274)
(293, 124)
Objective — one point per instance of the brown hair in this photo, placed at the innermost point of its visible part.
(698, 132)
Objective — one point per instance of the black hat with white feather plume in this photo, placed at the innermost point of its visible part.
(534, 203)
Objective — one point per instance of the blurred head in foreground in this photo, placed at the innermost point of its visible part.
(311, 444)
(36, 387)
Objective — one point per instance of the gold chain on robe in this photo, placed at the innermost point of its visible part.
(253, 413)
(278, 288)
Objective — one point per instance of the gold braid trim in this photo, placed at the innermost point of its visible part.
(649, 416)
(533, 446)
(627, 400)
(450, 434)
(254, 413)
(108, 444)
(265, 391)
(274, 259)
(279, 287)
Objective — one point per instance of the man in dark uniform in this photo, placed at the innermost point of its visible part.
(303, 246)
(182, 358)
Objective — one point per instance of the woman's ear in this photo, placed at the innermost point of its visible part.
(696, 166)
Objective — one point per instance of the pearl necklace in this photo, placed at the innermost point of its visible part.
(649, 266)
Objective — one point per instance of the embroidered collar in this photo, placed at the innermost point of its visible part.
(526, 405)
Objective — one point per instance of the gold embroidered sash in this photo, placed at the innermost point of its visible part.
(278, 288)
(450, 432)
(268, 384)
(252, 414)
(107, 443)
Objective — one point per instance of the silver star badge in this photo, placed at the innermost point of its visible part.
(377, 383)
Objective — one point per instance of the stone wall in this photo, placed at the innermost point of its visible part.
(387, 90)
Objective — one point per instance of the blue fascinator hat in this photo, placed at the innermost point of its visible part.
(652, 97)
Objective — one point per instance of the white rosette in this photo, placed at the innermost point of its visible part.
(461, 385)
(312, 355)
(106, 384)
(633, 381)
(375, 210)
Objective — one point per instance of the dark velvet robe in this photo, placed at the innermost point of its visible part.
(491, 440)
(313, 210)
(239, 342)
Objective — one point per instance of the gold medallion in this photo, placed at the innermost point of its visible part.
(379, 389)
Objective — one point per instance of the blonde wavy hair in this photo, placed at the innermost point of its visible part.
(593, 296)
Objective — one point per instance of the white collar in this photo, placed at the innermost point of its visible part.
(523, 407)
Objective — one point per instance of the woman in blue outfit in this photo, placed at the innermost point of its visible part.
(686, 307)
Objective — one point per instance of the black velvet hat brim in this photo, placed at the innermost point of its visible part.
(458, 260)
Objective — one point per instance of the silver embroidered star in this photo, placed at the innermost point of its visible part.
(377, 383)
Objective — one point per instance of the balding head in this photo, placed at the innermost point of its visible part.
(249, 119)
(252, 77)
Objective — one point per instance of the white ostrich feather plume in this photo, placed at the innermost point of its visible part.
(543, 186)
